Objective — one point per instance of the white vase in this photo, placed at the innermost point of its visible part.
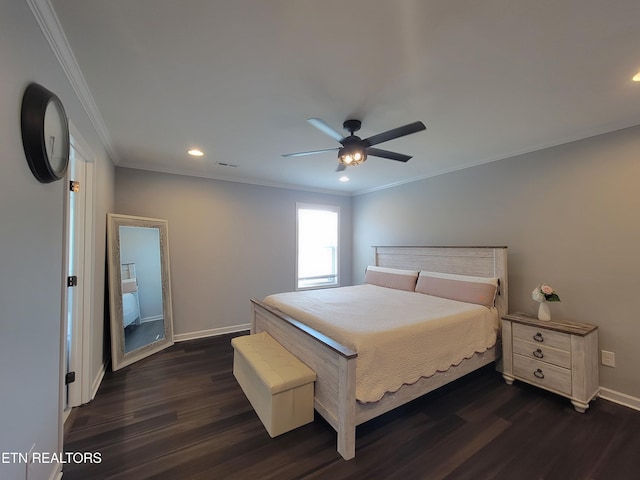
(544, 312)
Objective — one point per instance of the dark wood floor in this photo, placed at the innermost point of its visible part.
(181, 415)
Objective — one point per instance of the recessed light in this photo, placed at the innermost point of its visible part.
(636, 77)
(194, 152)
(344, 179)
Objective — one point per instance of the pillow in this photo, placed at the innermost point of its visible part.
(391, 278)
(464, 288)
(129, 285)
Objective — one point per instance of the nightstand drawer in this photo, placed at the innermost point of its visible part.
(543, 374)
(541, 351)
(539, 335)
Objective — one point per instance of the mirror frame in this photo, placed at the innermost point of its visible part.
(120, 358)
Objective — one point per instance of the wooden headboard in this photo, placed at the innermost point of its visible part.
(477, 261)
(128, 278)
(127, 271)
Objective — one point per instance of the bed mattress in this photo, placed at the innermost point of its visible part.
(399, 336)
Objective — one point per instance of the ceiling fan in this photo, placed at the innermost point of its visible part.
(355, 150)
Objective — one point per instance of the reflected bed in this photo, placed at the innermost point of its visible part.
(130, 300)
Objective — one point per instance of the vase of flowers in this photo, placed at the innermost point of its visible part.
(544, 294)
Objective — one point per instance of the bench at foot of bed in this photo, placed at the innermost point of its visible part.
(278, 385)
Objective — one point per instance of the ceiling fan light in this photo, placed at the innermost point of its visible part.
(350, 156)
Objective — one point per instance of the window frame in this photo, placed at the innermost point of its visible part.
(319, 207)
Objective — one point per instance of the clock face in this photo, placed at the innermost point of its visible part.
(56, 136)
(45, 133)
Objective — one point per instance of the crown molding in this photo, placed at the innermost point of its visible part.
(48, 21)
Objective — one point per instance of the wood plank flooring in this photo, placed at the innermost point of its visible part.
(181, 415)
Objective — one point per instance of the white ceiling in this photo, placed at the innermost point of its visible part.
(239, 78)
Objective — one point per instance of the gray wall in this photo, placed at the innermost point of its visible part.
(31, 241)
(569, 215)
(228, 242)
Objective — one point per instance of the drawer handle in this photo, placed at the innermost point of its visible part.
(538, 353)
(538, 337)
(538, 373)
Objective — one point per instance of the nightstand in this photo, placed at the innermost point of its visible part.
(558, 355)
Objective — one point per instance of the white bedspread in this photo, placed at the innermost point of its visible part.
(400, 336)
(130, 309)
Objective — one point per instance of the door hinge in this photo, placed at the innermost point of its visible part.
(74, 186)
(72, 281)
(70, 377)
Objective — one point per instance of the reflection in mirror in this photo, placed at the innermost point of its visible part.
(139, 288)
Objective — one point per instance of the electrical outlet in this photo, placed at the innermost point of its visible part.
(608, 358)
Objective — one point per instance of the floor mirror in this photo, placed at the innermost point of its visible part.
(139, 287)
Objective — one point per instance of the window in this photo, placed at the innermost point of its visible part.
(317, 245)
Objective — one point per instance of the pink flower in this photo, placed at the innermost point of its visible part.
(545, 293)
(546, 289)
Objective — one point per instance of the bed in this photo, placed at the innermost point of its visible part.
(334, 357)
(130, 300)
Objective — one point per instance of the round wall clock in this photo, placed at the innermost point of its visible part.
(45, 133)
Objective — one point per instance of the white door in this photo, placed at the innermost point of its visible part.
(79, 268)
(74, 289)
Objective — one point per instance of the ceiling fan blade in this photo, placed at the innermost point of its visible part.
(376, 152)
(312, 152)
(394, 133)
(341, 167)
(326, 129)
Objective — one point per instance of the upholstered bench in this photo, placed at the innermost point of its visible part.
(278, 385)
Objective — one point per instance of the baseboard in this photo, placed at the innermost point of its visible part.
(153, 318)
(620, 398)
(97, 381)
(181, 337)
(56, 473)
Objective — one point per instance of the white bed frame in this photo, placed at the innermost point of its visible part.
(335, 364)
